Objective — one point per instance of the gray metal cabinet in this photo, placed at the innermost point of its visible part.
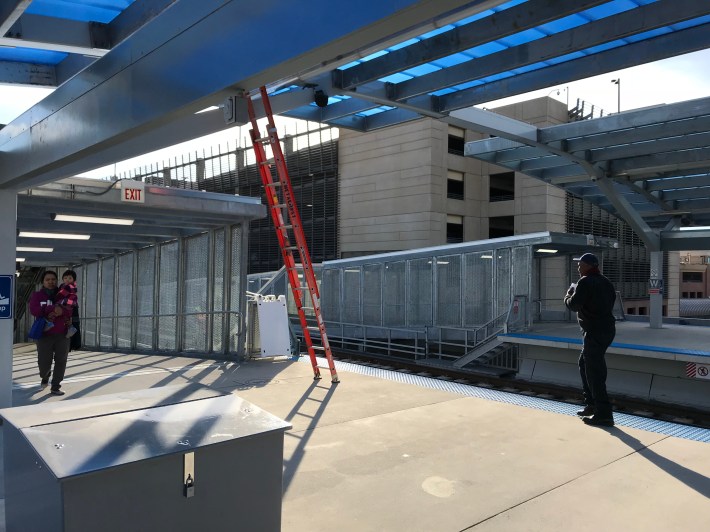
(171, 458)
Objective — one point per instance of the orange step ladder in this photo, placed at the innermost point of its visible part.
(290, 235)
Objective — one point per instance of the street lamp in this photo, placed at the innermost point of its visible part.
(566, 89)
(617, 82)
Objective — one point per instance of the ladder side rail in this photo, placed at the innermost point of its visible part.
(297, 226)
(284, 244)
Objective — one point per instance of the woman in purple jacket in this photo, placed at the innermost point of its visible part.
(54, 345)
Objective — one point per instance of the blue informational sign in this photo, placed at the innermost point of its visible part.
(6, 296)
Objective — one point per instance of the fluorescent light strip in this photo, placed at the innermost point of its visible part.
(61, 236)
(542, 250)
(91, 219)
(695, 228)
(35, 250)
(19, 259)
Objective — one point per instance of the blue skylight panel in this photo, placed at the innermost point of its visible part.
(438, 31)
(609, 9)
(95, 11)
(522, 37)
(404, 44)
(484, 49)
(648, 34)
(566, 23)
(375, 111)
(426, 68)
(691, 23)
(451, 60)
(373, 56)
(604, 47)
(442, 92)
(397, 77)
(30, 55)
(565, 58)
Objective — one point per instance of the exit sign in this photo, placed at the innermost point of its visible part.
(133, 191)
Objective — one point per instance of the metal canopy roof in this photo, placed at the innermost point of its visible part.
(168, 213)
(132, 75)
(650, 167)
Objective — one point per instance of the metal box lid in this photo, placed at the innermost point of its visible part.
(71, 447)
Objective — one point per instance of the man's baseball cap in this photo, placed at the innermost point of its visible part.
(589, 258)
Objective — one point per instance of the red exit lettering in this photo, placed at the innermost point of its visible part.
(131, 194)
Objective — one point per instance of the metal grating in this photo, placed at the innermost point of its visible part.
(394, 294)
(625, 420)
(167, 303)
(144, 298)
(194, 328)
(218, 303)
(448, 291)
(235, 323)
(107, 301)
(125, 300)
(91, 288)
(628, 266)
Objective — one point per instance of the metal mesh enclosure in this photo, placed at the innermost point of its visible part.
(218, 303)
(194, 327)
(478, 268)
(107, 302)
(372, 294)
(522, 272)
(145, 297)
(448, 291)
(503, 276)
(234, 327)
(421, 299)
(351, 295)
(394, 294)
(628, 267)
(125, 300)
(91, 290)
(167, 306)
(330, 295)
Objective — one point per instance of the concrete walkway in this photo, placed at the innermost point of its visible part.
(372, 454)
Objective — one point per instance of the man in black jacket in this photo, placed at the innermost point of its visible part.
(593, 300)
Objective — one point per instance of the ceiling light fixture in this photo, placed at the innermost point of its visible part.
(90, 219)
(19, 259)
(543, 250)
(34, 250)
(61, 236)
(695, 228)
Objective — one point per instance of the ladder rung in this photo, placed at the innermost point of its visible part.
(313, 328)
(302, 288)
(279, 206)
(307, 308)
(274, 184)
(286, 227)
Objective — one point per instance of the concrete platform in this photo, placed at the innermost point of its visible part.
(375, 454)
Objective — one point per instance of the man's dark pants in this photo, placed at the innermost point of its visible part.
(53, 346)
(592, 368)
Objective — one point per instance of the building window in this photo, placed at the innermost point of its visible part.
(454, 229)
(456, 140)
(500, 226)
(502, 186)
(692, 277)
(454, 185)
(685, 295)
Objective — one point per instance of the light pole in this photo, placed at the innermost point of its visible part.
(617, 82)
(566, 89)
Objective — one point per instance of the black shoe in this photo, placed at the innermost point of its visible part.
(586, 411)
(56, 391)
(43, 385)
(599, 421)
